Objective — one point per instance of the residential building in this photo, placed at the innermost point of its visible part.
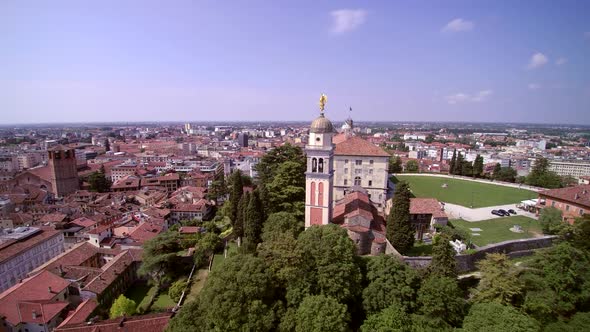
(25, 248)
(575, 168)
(573, 202)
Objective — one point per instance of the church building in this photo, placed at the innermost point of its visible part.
(346, 183)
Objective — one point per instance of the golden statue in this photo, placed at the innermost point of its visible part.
(323, 101)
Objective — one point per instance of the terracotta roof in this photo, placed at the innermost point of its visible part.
(99, 229)
(146, 231)
(81, 314)
(426, 206)
(42, 172)
(189, 230)
(84, 222)
(32, 289)
(578, 195)
(53, 217)
(110, 273)
(152, 323)
(354, 204)
(43, 311)
(79, 254)
(12, 248)
(356, 146)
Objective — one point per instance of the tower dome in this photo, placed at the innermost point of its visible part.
(321, 125)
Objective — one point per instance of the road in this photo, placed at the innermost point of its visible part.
(455, 211)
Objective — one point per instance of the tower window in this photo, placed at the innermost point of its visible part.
(321, 165)
(357, 181)
(314, 165)
(318, 139)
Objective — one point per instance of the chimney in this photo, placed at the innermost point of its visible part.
(34, 314)
(577, 196)
(49, 288)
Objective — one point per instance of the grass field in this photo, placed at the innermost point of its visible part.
(232, 248)
(498, 230)
(163, 302)
(420, 249)
(463, 192)
(199, 281)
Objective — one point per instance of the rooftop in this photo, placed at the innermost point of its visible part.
(356, 146)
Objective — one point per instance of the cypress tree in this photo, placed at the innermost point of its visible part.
(240, 215)
(254, 219)
(453, 162)
(400, 231)
(458, 165)
(443, 258)
(107, 145)
(237, 190)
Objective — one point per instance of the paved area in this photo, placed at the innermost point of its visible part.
(460, 212)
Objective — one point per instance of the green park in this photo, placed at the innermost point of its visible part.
(464, 192)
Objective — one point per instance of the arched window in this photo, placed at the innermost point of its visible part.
(312, 196)
(314, 165)
(321, 166)
(357, 181)
(321, 194)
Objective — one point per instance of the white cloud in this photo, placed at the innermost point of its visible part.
(344, 20)
(534, 86)
(537, 60)
(461, 97)
(561, 61)
(457, 25)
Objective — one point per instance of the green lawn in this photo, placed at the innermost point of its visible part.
(219, 258)
(463, 192)
(498, 230)
(198, 282)
(163, 301)
(140, 292)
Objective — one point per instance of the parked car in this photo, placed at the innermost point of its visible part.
(511, 211)
(496, 212)
(504, 212)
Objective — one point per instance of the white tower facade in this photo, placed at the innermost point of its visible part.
(319, 177)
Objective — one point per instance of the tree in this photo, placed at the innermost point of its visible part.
(390, 319)
(99, 182)
(326, 266)
(239, 223)
(453, 162)
(478, 166)
(272, 160)
(389, 282)
(557, 282)
(237, 190)
(190, 318)
(551, 220)
(206, 247)
(443, 258)
(467, 168)
(239, 297)
(492, 317)
(107, 145)
(441, 302)
(412, 166)
(160, 260)
(122, 307)
(176, 289)
(541, 176)
(254, 219)
(507, 174)
(400, 231)
(319, 313)
(499, 282)
(496, 171)
(459, 165)
(286, 192)
(579, 322)
(395, 164)
(281, 223)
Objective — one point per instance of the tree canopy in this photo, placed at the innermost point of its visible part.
(400, 231)
(494, 317)
(122, 307)
(319, 313)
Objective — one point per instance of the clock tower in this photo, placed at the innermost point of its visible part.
(319, 177)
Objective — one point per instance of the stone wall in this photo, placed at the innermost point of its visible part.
(465, 263)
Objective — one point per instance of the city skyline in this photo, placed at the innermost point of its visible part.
(144, 61)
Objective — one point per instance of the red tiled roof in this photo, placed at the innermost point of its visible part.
(10, 249)
(53, 218)
(146, 231)
(426, 206)
(42, 172)
(189, 230)
(81, 314)
(99, 229)
(44, 311)
(356, 146)
(84, 222)
(578, 195)
(152, 323)
(354, 204)
(35, 288)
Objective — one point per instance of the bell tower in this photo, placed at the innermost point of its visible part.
(319, 177)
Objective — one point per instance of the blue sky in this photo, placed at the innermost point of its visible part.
(507, 61)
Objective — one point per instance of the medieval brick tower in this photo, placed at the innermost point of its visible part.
(64, 175)
(319, 177)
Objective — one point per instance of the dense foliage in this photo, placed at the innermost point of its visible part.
(400, 231)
